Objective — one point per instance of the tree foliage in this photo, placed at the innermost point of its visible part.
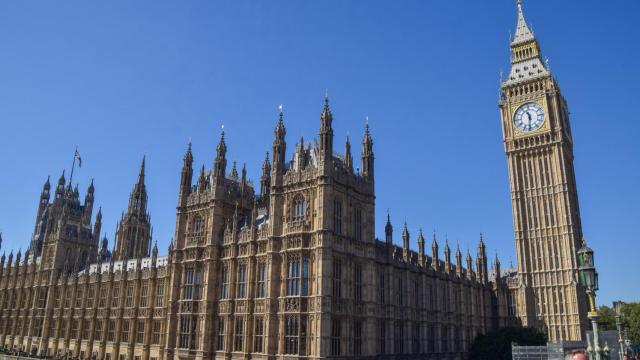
(496, 345)
(630, 320)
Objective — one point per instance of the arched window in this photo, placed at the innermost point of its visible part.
(197, 226)
(299, 209)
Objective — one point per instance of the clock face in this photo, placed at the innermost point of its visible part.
(529, 117)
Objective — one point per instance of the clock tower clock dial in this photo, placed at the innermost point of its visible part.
(546, 215)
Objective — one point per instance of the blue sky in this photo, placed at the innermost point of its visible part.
(121, 79)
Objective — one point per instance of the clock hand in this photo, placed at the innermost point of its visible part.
(529, 116)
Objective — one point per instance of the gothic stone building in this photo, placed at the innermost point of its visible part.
(293, 269)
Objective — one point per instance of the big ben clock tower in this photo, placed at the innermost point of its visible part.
(546, 216)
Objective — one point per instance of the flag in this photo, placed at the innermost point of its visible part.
(77, 156)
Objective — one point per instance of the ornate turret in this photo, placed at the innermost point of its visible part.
(44, 201)
(220, 162)
(469, 265)
(234, 172)
(367, 154)
(388, 230)
(348, 159)
(326, 134)
(481, 259)
(97, 227)
(496, 268)
(279, 150)
(186, 175)
(133, 233)
(447, 256)
(458, 261)
(421, 255)
(60, 187)
(265, 179)
(88, 204)
(405, 242)
(435, 262)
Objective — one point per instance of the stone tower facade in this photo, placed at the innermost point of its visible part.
(133, 235)
(546, 216)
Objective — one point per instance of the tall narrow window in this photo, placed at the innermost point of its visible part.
(111, 330)
(262, 272)
(56, 298)
(337, 279)
(157, 329)
(398, 337)
(185, 331)
(74, 328)
(400, 291)
(357, 269)
(415, 338)
(42, 298)
(305, 276)
(144, 294)
(187, 288)
(381, 286)
(129, 298)
(103, 297)
(239, 334)
(335, 337)
(85, 329)
(299, 209)
(90, 296)
(79, 298)
(224, 283)
(293, 276)
(416, 293)
(337, 216)
(291, 335)
(357, 224)
(357, 337)
(98, 330)
(220, 341)
(445, 339)
(124, 334)
(196, 285)
(160, 293)
(383, 337)
(115, 296)
(140, 331)
(242, 282)
(259, 334)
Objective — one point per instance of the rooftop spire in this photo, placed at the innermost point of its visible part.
(142, 166)
(523, 33)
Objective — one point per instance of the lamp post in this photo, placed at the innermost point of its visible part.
(589, 279)
(617, 305)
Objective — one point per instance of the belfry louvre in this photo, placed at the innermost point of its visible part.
(293, 269)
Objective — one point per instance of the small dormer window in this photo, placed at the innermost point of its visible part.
(517, 70)
(526, 68)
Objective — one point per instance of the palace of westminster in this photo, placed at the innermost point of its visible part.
(293, 269)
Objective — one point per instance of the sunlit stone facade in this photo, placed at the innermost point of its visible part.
(293, 269)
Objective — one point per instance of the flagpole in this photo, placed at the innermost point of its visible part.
(73, 165)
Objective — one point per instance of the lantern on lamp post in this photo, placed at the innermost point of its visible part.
(617, 306)
(589, 280)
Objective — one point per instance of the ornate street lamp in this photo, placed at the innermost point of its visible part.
(617, 306)
(589, 280)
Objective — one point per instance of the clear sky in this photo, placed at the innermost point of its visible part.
(121, 79)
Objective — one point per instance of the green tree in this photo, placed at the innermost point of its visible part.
(606, 318)
(496, 345)
(631, 321)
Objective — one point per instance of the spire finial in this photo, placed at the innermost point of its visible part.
(142, 166)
